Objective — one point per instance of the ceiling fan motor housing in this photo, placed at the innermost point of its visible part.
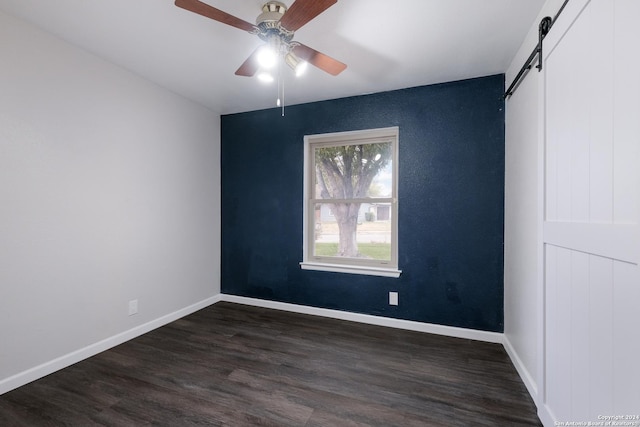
(268, 23)
(271, 11)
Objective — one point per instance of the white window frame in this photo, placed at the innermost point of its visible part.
(349, 265)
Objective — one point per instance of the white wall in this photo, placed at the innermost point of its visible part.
(521, 230)
(109, 191)
(523, 212)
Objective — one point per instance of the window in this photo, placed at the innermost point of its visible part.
(350, 202)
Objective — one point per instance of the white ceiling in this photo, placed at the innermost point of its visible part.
(386, 44)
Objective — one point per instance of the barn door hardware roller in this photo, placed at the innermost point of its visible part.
(543, 29)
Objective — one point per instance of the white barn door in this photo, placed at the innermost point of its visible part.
(591, 238)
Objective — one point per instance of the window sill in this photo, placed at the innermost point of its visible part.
(351, 269)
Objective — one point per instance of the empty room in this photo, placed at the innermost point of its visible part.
(319, 212)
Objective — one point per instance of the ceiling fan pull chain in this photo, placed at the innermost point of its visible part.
(280, 100)
(278, 103)
(283, 98)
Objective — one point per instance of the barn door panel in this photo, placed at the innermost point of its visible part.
(591, 237)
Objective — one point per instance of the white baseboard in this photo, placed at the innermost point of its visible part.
(69, 359)
(546, 416)
(493, 337)
(524, 373)
(544, 413)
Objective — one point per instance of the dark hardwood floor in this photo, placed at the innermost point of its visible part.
(236, 365)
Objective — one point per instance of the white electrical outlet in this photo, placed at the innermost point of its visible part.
(133, 307)
(393, 298)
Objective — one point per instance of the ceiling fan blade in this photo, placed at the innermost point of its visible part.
(250, 66)
(215, 14)
(303, 11)
(318, 59)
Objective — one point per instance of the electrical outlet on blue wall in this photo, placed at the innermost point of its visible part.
(393, 298)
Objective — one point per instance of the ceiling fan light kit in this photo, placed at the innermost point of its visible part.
(265, 77)
(267, 57)
(296, 64)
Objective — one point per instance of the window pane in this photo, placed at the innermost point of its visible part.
(353, 171)
(353, 230)
(350, 192)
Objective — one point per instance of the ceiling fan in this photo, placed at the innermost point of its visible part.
(275, 26)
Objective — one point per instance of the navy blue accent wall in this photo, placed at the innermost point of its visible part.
(451, 199)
